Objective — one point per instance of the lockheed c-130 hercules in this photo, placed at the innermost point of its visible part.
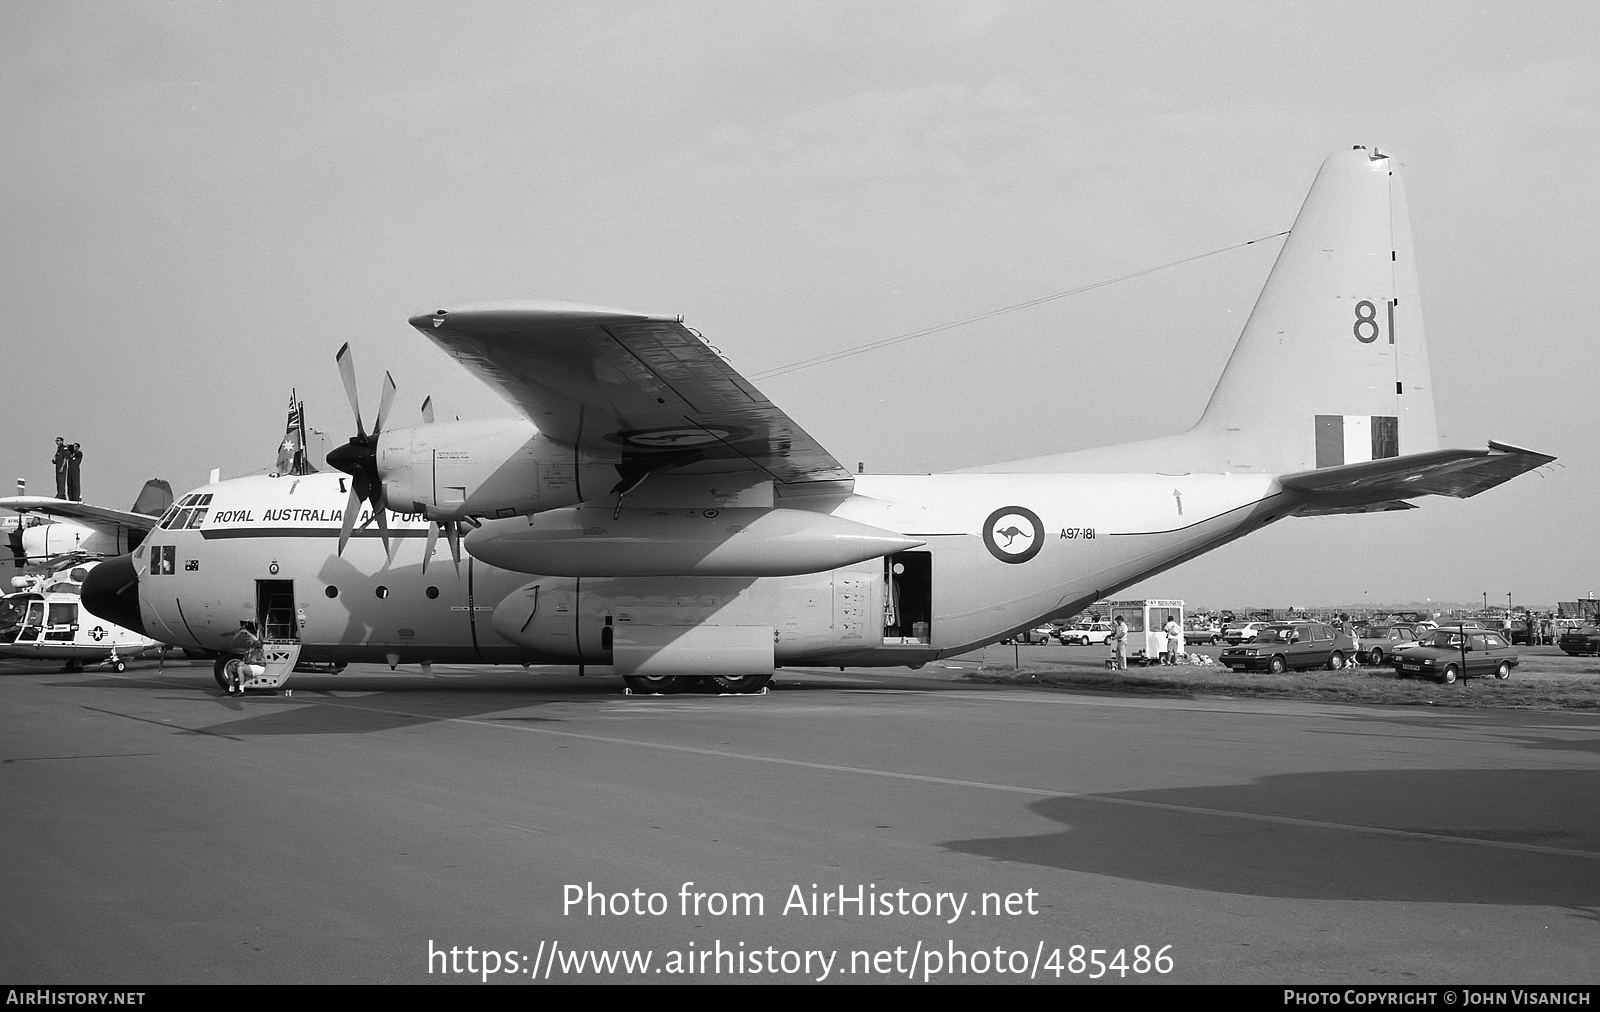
(654, 512)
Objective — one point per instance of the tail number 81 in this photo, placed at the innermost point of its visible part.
(1366, 326)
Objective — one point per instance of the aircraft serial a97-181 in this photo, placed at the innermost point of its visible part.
(654, 512)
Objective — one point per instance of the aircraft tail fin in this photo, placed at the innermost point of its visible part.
(1332, 365)
(153, 499)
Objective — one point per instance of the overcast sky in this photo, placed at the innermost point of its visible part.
(202, 201)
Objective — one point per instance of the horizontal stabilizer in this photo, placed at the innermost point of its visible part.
(1355, 488)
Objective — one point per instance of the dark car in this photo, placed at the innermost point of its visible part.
(1286, 646)
(1583, 640)
(1453, 652)
(1380, 642)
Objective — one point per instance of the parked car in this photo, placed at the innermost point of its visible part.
(1038, 634)
(1202, 632)
(1086, 634)
(1236, 634)
(1583, 640)
(1379, 643)
(1286, 646)
(1453, 652)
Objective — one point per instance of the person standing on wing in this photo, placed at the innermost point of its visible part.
(74, 460)
(61, 460)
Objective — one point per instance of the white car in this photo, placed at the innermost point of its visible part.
(1237, 634)
(1086, 634)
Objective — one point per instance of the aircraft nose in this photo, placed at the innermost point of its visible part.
(111, 591)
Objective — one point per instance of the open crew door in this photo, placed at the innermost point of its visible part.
(277, 621)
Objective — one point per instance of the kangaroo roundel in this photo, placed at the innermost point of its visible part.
(1013, 534)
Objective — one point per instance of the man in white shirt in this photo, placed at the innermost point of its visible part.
(1174, 631)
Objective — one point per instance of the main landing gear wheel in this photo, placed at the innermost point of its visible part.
(739, 683)
(219, 671)
(653, 685)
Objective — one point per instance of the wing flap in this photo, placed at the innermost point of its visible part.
(640, 388)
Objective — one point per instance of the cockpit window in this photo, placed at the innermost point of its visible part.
(196, 518)
(11, 611)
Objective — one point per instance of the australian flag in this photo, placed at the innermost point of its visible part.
(292, 451)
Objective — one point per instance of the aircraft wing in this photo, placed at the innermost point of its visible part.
(1377, 485)
(615, 383)
(99, 517)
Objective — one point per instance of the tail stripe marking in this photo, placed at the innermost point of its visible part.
(1351, 439)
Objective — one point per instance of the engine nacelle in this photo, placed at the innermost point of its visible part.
(62, 537)
(454, 470)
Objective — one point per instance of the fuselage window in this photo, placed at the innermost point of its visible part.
(332, 592)
(432, 592)
(382, 592)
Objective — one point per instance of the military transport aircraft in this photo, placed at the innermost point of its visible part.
(656, 513)
(79, 529)
(42, 620)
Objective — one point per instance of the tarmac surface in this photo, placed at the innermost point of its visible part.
(157, 831)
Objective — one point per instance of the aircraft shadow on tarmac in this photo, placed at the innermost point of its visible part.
(1190, 838)
(384, 702)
